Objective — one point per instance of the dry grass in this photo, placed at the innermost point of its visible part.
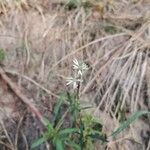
(41, 39)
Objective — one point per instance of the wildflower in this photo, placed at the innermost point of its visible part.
(73, 81)
(79, 66)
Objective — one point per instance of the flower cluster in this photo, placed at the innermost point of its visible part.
(80, 68)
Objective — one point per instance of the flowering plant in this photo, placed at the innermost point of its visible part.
(80, 68)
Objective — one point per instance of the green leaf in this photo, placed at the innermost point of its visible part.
(98, 136)
(72, 3)
(48, 123)
(38, 142)
(81, 138)
(68, 131)
(59, 145)
(86, 107)
(2, 55)
(70, 98)
(50, 127)
(57, 108)
(61, 100)
(130, 120)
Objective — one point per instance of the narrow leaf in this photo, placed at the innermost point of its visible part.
(59, 104)
(99, 136)
(59, 145)
(57, 109)
(2, 55)
(68, 131)
(48, 124)
(50, 127)
(38, 142)
(86, 107)
(130, 120)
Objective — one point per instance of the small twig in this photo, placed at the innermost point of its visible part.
(148, 147)
(32, 81)
(22, 97)
(25, 140)
(6, 145)
(7, 135)
(17, 132)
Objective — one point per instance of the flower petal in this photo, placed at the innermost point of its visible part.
(75, 61)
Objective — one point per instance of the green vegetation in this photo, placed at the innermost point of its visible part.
(2, 55)
(83, 132)
(84, 129)
(105, 107)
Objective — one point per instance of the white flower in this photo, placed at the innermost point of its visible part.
(73, 81)
(80, 67)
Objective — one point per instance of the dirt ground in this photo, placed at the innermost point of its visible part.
(40, 40)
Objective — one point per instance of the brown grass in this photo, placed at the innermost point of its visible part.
(41, 38)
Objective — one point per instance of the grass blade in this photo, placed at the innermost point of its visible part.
(130, 120)
(99, 136)
(59, 145)
(38, 142)
(61, 100)
(2, 55)
(57, 109)
(68, 131)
